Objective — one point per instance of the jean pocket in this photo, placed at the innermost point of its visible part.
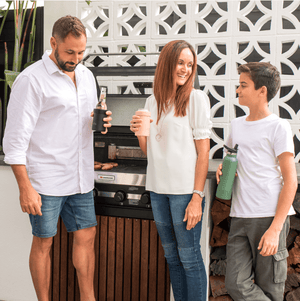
(280, 266)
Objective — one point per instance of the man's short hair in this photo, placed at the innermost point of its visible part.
(263, 74)
(68, 24)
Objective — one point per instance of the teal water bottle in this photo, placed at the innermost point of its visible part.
(229, 167)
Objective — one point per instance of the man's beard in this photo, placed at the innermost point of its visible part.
(63, 65)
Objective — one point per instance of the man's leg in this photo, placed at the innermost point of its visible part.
(84, 261)
(44, 228)
(79, 217)
(40, 266)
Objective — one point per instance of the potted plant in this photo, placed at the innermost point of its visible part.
(20, 32)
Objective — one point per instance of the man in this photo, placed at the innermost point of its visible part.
(48, 142)
(263, 191)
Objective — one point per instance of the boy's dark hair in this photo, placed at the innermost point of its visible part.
(68, 24)
(263, 74)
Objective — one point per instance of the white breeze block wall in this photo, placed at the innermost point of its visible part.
(224, 35)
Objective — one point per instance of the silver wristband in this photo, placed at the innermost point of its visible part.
(201, 193)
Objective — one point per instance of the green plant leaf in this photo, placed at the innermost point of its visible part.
(28, 64)
(10, 76)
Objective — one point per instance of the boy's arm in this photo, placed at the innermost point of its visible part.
(269, 241)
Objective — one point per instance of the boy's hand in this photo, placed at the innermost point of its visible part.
(269, 243)
(219, 173)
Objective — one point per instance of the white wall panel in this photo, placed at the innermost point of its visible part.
(224, 35)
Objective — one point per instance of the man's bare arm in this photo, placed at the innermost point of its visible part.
(30, 200)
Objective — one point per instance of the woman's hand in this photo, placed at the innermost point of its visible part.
(193, 212)
(135, 123)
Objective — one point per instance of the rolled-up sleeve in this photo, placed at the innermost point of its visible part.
(199, 115)
(22, 114)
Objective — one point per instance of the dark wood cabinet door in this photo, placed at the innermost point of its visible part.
(129, 265)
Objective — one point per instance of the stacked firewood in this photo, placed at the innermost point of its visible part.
(220, 217)
(292, 284)
(221, 223)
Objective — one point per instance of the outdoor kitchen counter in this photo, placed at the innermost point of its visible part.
(214, 163)
(213, 166)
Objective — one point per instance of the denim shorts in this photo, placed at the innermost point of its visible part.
(77, 212)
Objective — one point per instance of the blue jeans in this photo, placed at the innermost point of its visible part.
(181, 246)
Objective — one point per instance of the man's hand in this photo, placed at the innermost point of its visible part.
(193, 212)
(107, 120)
(269, 243)
(30, 201)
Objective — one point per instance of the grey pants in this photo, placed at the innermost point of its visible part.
(250, 276)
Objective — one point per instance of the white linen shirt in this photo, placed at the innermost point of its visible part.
(172, 160)
(49, 130)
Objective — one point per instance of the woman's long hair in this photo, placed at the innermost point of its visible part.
(164, 86)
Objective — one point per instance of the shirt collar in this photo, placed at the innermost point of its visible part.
(51, 67)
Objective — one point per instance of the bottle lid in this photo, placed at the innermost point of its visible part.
(143, 112)
(232, 150)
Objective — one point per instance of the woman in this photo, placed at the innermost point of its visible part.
(178, 152)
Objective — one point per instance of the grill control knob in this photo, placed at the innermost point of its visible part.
(145, 198)
(120, 196)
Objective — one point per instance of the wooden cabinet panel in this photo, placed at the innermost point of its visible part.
(129, 263)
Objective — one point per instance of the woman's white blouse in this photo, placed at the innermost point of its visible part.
(172, 159)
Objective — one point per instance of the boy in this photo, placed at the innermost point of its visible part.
(263, 192)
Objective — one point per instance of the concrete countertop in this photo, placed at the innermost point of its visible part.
(1, 160)
(213, 165)
(212, 168)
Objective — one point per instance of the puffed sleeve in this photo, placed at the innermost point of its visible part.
(199, 115)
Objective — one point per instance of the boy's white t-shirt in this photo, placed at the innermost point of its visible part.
(259, 182)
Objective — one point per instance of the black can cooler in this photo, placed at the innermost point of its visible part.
(98, 122)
